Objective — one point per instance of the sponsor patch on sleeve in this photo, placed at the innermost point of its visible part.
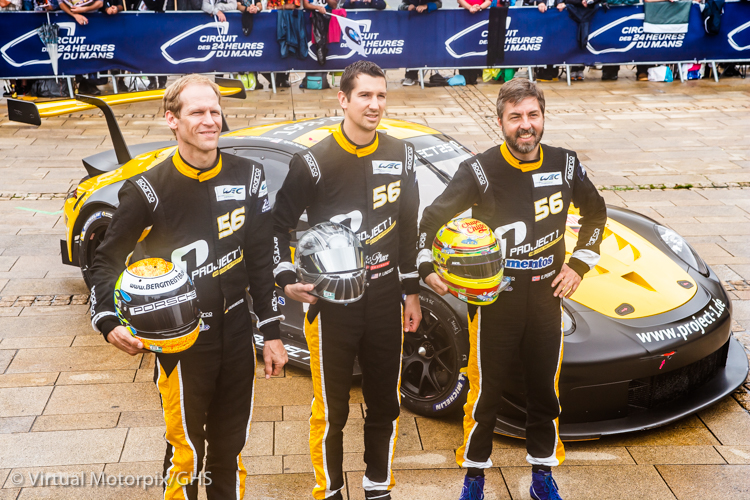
(263, 190)
(224, 193)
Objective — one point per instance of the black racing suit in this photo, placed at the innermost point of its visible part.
(216, 224)
(372, 189)
(526, 205)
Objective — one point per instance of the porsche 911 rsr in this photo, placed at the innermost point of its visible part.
(647, 335)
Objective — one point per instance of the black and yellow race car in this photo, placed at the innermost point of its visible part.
(647, 334)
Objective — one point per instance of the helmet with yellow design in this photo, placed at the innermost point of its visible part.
(468, 259)
(157, 302)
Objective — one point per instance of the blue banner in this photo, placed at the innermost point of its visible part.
(186, 42)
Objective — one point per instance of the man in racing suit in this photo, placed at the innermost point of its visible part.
(365, 180)
(209, 214)
(521, 190)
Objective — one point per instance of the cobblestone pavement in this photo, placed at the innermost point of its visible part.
(70, 404)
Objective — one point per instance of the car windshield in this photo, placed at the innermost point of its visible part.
(438, 158)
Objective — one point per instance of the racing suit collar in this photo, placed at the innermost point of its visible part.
(191, 172)
(523, 166)
(350, 147)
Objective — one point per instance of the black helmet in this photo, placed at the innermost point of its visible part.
(331, 257)
(157, 302)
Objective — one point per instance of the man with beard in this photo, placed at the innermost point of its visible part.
(522, 190)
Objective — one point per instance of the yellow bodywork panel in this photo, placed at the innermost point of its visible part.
(395, 128)
(137, 165)
(65, 106)
(631, 270)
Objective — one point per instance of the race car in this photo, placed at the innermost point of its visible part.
(647, 335)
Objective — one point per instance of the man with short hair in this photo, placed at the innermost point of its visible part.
(367, 181)
(209, 214)
(522, 191)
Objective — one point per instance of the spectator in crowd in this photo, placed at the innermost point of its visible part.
(548, 74)
(580, 11)
(189, 4)
(40, 5)
(9, 5)
(111, 7)
(420, 7)
(248, 8)
(473, 6)
(218, 8)
(319, 5)
(364, 4)
(87, 84)
(282, 79)
(77, 8)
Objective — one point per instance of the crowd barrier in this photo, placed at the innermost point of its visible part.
(187, 42)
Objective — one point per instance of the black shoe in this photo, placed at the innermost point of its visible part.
(378, 495)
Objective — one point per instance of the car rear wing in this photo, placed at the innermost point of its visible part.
(32, 113)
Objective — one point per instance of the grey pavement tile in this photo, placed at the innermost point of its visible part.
(89, 340)
(302, 412)
(12, 425)
(267, 413)
(689, 431)
(57, 286)
(440, 434)
(96, 377)
(46, 423)
(57, 311)
(10, 493)
(675, 455)
(728, 421)
(283, 391)
(742, 269)
(736, 455)
(408, 434)
(741, 309)
(36, 449)
(5, 358)
(103, 398)
(260, 442)
(417, 459)
(36, 477)
(149, 418)
(43, 326)
(281, 486)
(707, 482)
(72, 359)
(626, 482)
(35, 342)
(291, 437)
(22, 401)
(144, 444)
(431, 485)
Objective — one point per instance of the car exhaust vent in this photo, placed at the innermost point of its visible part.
(637, 279)
(649, 392)
(626, 253)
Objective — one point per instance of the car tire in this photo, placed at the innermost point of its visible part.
(92, 235)
(433, 370)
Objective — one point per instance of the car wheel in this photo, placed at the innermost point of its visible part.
(92, 236)
(433, 377)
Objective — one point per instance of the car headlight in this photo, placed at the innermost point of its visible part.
(682, 249)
